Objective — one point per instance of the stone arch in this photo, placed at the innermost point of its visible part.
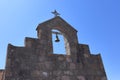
(70, 34)
(71, 42)
(66, 43)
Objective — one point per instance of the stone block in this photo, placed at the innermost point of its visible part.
(72, 66)
(61, 58)
(62, 66)
(68, 59)
(36, 73)
(49, 65)
(42, 58)
(68, 73)
(45, 74)
(81, 78)
(65, 78)
(58, 73)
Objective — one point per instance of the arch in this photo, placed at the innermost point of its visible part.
(69, 33)
(61, 47)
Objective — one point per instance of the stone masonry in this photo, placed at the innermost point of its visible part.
(36, 60)
(1, 74)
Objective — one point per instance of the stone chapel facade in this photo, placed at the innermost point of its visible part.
(36, 60)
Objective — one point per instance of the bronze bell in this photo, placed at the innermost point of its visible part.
(57, 39)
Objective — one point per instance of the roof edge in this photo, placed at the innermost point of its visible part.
(53, 19)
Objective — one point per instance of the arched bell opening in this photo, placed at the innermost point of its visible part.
(59, 42)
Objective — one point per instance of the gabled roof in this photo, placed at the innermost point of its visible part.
(52, 20)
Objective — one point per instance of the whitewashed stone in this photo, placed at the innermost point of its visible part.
(45, 74)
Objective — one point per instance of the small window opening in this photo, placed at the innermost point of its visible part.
(58, 42)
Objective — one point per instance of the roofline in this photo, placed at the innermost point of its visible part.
(53, 19)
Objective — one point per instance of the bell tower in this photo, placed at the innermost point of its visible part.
(44, 31)
(36, 60)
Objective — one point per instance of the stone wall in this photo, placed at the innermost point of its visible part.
(24, 63)
(36, 61)
(44, 32)
(1, 74)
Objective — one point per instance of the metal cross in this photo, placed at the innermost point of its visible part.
(55, 13)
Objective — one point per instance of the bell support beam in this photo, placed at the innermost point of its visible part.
(56, 33)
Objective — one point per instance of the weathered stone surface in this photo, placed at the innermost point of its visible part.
(65, 78)
(1, 74)
(36, 73)
(49, 65)
(72, 66)
(61, 58)
(36, 60)
(104, 78)
(68, 59)
(45, 74)
(68, 73)
(58, 73)
(81, 78)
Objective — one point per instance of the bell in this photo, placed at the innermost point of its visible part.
(57, 39)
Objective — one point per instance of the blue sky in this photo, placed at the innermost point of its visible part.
(97, 22)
